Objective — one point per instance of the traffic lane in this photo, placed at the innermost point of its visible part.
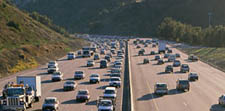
(202, 92)
(68, 102)
(144, 77)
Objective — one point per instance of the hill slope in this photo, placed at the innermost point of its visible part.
(126, 16)
(26, 43)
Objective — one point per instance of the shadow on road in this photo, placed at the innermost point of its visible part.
(70, 79)
(106, 74)
(45, 68)
(85, 83)
(102, 87)
(72, 101)
(105, 80)
(148, 97)
(163, 73)
(217, 107)
(140, 63)
(95, 68)
(174, 91)
(58, 90)
(46, 81)
(94, 102)
(85, 66)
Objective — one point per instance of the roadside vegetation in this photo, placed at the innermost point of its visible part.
(26, 43)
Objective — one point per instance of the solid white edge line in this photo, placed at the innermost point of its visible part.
(130, 74)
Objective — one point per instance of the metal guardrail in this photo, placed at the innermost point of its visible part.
(126, 104)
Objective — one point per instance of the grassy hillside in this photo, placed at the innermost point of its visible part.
(26, 43)
(213, 56)
(125, 16)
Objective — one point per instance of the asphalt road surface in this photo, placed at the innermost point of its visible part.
(203, 93)
(67, 98)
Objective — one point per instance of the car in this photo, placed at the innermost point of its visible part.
(120, 55)
(140, 53)
(176, 63)
(152, 53)
(166, 55)
(110, 92)
(171, 58)
(146, 45)
(90, 63)
(192, 58)
(113, 51)
(103, 64)
(115, 82)
(222, 100)
(69, 85)
(83, 95)
(117, 63)
(79, 75)
(177, 55)
(107, 58)
(169, 69)
(184, 68)
(52, 63)
(154, 45)
(160, 62)
(193, 76)
(146, 61)
(52, 69)
(50, 104)
(79, 52)
(169, 51)
(157, 57)
(102, 52)
(115, 70)
(138, 46)
(57, 76)
(96, 56)
(71, 56)
(183, 85)
(94, 78)
(109, 54)
(161, 88)
(115, 75)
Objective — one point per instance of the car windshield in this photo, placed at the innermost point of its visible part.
(50, 101)
(82, 93)
(52, 66)
(70, 82)
(105, 103)
(184, 82)
(114, 79)
(185, 66)
(78, 72)
(161, 85)
(15, 91)
(109, 92)
(52, 62)
(94, 75)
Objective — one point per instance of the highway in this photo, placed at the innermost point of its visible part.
(203, 93)
(67, 98)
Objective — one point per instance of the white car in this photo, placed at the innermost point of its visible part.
(71, 56)
(110, 92)
(50, 103)
(222, 99)
(52, 69)
(57, 76)
(52, 63)
(79, 75)
(69, 85)
(115, 82)
(94, 78)
(90, 63)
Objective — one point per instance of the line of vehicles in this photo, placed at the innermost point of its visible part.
(109, 53)
(166, 55)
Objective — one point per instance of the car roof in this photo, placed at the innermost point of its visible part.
(48, 98)
(110, 88)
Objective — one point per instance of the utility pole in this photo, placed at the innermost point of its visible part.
(210, 18)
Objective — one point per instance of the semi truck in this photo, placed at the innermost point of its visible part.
(162, 47)
(23, 94)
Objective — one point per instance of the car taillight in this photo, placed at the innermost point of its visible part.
(4, 102)
(21, 103)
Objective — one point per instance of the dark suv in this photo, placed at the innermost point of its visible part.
(183, 85)
(169, 69)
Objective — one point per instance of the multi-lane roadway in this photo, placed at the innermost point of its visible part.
(203, 93)
(67, 99)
